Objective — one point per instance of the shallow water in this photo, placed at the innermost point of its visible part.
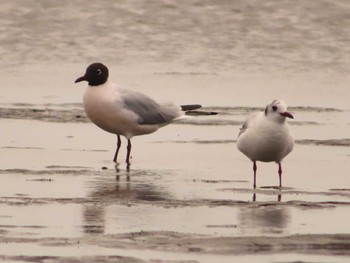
(188, 196)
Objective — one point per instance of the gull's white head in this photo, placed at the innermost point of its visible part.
(277, 110)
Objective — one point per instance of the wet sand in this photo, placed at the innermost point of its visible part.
(188, 195)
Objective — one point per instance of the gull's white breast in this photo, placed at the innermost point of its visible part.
(265, 140)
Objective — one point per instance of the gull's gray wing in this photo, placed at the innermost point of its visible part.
(243, 128)
(249, 122)
(148, 110)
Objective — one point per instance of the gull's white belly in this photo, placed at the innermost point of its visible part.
(266, 145)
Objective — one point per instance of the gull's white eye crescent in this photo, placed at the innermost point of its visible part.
(99, 71)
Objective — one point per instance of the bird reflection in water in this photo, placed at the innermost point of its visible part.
(123, 192)
(94, 218)
(279, 196)
(118, 171)
(264, 219)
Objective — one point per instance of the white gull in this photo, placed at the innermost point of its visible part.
(265, 136)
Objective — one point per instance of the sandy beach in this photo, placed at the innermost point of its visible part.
(188, 195)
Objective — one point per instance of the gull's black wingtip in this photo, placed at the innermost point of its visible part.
(190, 107)
(192, 110)
(199, 113)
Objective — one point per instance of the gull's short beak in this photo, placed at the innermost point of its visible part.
(80, 79)
(287, 114)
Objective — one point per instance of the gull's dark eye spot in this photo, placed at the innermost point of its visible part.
(274, 108)
(99, 71)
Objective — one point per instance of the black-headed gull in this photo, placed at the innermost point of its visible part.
(265, 136)
(125, 112)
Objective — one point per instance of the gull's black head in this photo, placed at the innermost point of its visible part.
(96, 74)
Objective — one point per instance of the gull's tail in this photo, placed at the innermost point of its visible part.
(192, 110)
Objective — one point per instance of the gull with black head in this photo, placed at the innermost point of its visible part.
(125, 112)
(265, 136)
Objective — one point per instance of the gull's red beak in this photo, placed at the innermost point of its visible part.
(287, 114)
